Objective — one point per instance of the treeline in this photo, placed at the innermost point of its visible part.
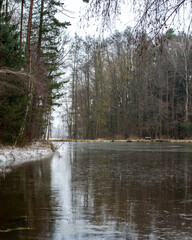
(30, 59)
(124, 87)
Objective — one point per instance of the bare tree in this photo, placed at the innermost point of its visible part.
(151, 16)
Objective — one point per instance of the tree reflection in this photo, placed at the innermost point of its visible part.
(93, 191)
(134, 192)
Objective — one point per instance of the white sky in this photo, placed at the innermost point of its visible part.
(77, 8)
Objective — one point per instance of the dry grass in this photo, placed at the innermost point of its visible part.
(123, 140)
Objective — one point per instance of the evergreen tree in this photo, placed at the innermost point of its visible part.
(10, 53)
(29, 82)
(12, 89)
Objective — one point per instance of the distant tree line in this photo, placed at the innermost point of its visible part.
(30, 59)
(121, 89)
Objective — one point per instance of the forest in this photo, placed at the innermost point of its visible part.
(126, 87)
(131, 84)
(31, 45)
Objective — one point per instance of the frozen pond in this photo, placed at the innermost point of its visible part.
(98, 191)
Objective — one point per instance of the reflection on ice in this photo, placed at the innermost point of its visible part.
(61, 185)
(70, 202)
(100, 191)
(116, 192)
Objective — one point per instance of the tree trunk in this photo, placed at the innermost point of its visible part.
(40, 28)
(173, 104)
(167, 92)
(88, 99)
(21, 23)
(186, 91)
(30, 84)
(6, 8)
(1, 4)
(28, 53)
(167, 101)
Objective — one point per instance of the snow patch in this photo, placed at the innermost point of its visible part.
(15, 155)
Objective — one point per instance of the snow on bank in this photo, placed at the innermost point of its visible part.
(15, 155)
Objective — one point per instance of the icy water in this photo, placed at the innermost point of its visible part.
(98, 191)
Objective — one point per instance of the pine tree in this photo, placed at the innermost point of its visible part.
(12, 89)
(32, 77)
(10, 53)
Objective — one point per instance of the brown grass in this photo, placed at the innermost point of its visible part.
(123, 140)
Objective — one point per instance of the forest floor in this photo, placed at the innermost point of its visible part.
(10, 155)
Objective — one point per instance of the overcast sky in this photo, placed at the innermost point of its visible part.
(94, 27)
(126, 18)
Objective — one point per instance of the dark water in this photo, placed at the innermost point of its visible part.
(100, 191)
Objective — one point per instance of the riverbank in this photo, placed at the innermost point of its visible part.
(10, 155)
(122, 140)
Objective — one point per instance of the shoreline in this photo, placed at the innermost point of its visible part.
(40, 149)
(123, 140)
(11, 156)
